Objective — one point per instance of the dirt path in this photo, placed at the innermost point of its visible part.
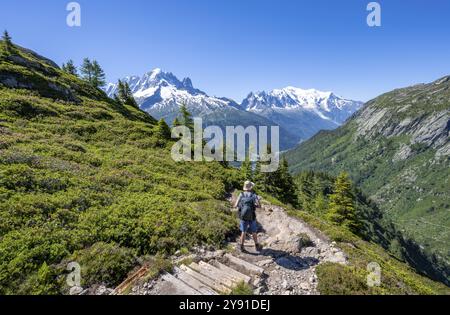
(286, 264)
(289, 265)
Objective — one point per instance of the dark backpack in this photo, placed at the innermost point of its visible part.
(247, 207)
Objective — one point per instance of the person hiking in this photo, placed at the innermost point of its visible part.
(247, 203)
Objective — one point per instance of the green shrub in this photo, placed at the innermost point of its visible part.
(337, 279)
(304, 240)
(104, 263)
(242, 288)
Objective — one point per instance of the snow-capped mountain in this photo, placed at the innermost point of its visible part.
(303, 112)
(299, 113)
(161, 94)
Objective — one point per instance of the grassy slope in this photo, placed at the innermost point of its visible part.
(77, 170)
(413, 193)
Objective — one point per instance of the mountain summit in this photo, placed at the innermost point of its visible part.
(302, 112)
(149, 84)
(161, 94)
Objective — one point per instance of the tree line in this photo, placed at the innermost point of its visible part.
(90, 71)
(331, 198)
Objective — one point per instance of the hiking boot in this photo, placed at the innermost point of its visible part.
(258, 247)
(241, 248)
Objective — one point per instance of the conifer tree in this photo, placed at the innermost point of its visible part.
(342, 206)
(121, 93)
(98, 75)
(246, 169)
(70, 68)
(320, 203)
(286, 183)
(186, 118)
(176, 122)
(117, 100)
(224, 161)
(93, 73)
(279, 183)
(162, 130)
(7, 40)
(124, 94)
(86, 70)
(130, 100)
(258, 175)
(262, 179)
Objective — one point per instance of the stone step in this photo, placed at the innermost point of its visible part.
(232, 272)
(213, 273)
(212, 283)
(178, 286)
(194, 283)
(244, 266)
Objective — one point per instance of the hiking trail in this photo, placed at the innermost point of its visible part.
(284, 266)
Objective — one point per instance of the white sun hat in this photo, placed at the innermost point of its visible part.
(248, 185)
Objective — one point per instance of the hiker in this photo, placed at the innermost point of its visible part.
(247, 203)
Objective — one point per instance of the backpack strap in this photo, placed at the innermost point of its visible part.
(239, 201)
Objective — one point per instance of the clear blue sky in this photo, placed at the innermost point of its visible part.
(232, 47)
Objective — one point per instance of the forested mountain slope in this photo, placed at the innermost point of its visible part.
(396, 149)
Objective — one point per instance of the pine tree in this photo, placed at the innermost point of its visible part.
(186, 118)
(87, 70)
(117, 100)
(129, 96)
(7, 40)
(320, 204)
(286, 183)
(263, 180)
(121, 93)
(125, 95)
(258, 175)
(162, 131)
(98, 75)
(70, 68)
(176, 122)
(279, 183)
(342, 206)
(246, 169)
(224, 161)
(93, 73)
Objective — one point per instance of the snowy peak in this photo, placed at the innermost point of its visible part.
(300, 113)
(156, 80)
(161, 94)
(327, 105)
